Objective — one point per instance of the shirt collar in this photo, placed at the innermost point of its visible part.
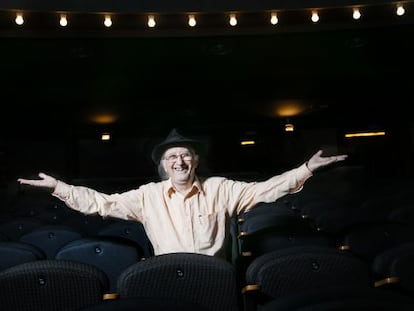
(195, 188)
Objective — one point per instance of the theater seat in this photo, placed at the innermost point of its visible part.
(13, 253)
(298, 269)
(130, 230)
(110, 255)
(393, 269)
(50, 238)
(207, 281)
(51, 285)
(14, 228)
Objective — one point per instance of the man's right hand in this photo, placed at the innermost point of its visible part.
(46, 181)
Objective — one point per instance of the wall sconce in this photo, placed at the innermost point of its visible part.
(106, 136)
(365, 134)
(289, 127)
(247, 142)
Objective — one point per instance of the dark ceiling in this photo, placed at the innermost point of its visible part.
(341, 74)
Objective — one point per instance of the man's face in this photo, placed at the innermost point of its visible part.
(180, 164)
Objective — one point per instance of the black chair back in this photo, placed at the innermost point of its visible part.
(393, 268)
(50, 238)
(188, 277)
(130, 230)
(110, 255)
(13, 253)
(298, 269)
(50, 285)
(14, 228)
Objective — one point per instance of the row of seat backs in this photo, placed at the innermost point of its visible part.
(288, 255)
(40, 234)
(305, 276)
(177, 279)
(271, 226)
(334, 214)
(112, 249)
(110, 255)
(211, 281)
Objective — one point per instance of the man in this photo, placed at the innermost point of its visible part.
(183, 212)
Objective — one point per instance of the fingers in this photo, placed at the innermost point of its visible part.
(29, 181)
(319, 153)
(342, 157)
(22, 180)
(334, 158)
(44, 181)
(318, 161)
(26, 181)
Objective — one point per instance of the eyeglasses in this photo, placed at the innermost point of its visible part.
(174, 157)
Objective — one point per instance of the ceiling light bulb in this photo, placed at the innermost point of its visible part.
(315, 16)
(108, 21)
(356, 13)
(233, 20)
(191, 20)
(400, 10)
(19, 19)
(151, 21)
(273, 18)
(63, 21)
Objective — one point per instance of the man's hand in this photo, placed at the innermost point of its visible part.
(317, 161)
(46, 181)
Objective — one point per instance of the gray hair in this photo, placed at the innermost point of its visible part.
(161, 171)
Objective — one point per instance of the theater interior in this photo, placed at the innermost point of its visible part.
(90, 87)
(63, 87)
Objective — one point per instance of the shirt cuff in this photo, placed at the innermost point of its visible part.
(62, 190)
(302, 174)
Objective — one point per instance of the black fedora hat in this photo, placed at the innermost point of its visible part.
(175, 139)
